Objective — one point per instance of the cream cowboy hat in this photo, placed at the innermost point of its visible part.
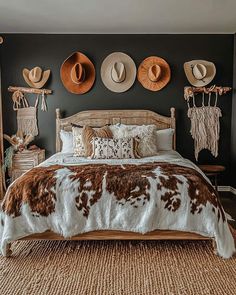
(199, 72)
(36, 77)
(154, 73)
(77, 73)
(118, 72)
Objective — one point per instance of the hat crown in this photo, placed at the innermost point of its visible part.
(154, 73)
(118, 72)
(78, 73)
(199, 71)
(35, 74)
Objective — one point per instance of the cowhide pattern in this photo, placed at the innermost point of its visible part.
(128, 183)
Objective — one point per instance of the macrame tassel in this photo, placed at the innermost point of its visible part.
(27, 121)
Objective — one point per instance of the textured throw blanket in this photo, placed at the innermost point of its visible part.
(69, 200)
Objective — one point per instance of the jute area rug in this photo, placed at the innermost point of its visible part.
(116, 268)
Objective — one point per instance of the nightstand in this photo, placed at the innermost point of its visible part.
(212, 171)
(25, 160)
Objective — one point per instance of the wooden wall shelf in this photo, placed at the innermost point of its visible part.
(189, 90)
(29, 90)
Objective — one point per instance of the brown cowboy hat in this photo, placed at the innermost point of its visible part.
(154, 73)
(78, 73)
(36, 77)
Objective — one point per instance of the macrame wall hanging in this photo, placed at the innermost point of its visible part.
(205, 119)
(27, 115)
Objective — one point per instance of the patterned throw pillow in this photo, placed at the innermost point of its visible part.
(120, 148)
(88, 133)
(146, 133)
(78, 147)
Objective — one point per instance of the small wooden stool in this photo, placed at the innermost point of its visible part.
(212, 171)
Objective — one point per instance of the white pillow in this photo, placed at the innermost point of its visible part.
(67, 141)
(165, 139)
(146, 133)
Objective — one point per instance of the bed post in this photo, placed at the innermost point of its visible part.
(173, 125)
(58, 124)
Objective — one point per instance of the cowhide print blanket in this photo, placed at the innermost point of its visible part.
(134, 197)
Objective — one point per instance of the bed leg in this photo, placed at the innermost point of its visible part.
(214, 246)
(8, 251)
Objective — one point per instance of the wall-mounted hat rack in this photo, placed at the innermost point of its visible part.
(189, 91)
(29, 90)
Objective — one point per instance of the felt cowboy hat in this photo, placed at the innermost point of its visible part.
(154, 73)
(78, 73)
(199, 72)
(118, 72)
(36, 77)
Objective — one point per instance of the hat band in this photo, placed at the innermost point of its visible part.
(120, 81)
(121, 76)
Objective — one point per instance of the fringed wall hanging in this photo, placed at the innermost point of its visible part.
(27, 115)
(205, 119)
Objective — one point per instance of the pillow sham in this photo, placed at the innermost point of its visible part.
(78, 146)
(67, 141)
(115, 148)
(88, 133)
(165, 139)
(146, 133)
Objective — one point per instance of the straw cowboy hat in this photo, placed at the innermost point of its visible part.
(36, 77)
(199, 72)
(154, 73)
(118, 72)
(78, 73)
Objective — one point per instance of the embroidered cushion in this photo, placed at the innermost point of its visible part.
(119, 148)
(88, 133)
(78, 146)
(146, 133)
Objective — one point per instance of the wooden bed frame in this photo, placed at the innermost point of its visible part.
(100, 118)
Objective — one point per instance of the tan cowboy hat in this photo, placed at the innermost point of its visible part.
(118, 72)
(36, 77)
(199, 72)
(78, 73)
(154, 73)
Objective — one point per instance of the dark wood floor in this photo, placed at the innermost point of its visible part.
(228, 201)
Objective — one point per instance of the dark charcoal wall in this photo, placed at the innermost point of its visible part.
(49, 51)
(233, 128)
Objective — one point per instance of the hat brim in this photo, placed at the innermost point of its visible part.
(130, 72)
(143, 73)
(65, 72)
(211, 72)
(41, 83)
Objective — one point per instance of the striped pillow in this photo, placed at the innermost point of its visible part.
(88, 133)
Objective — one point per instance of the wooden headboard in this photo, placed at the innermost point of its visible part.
(100, 118)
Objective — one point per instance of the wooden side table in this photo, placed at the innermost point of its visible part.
(25, 160)
(212, 171)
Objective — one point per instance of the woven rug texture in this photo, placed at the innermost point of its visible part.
(116, 268)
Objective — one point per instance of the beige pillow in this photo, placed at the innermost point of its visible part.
(119, 148)
(88, 133)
